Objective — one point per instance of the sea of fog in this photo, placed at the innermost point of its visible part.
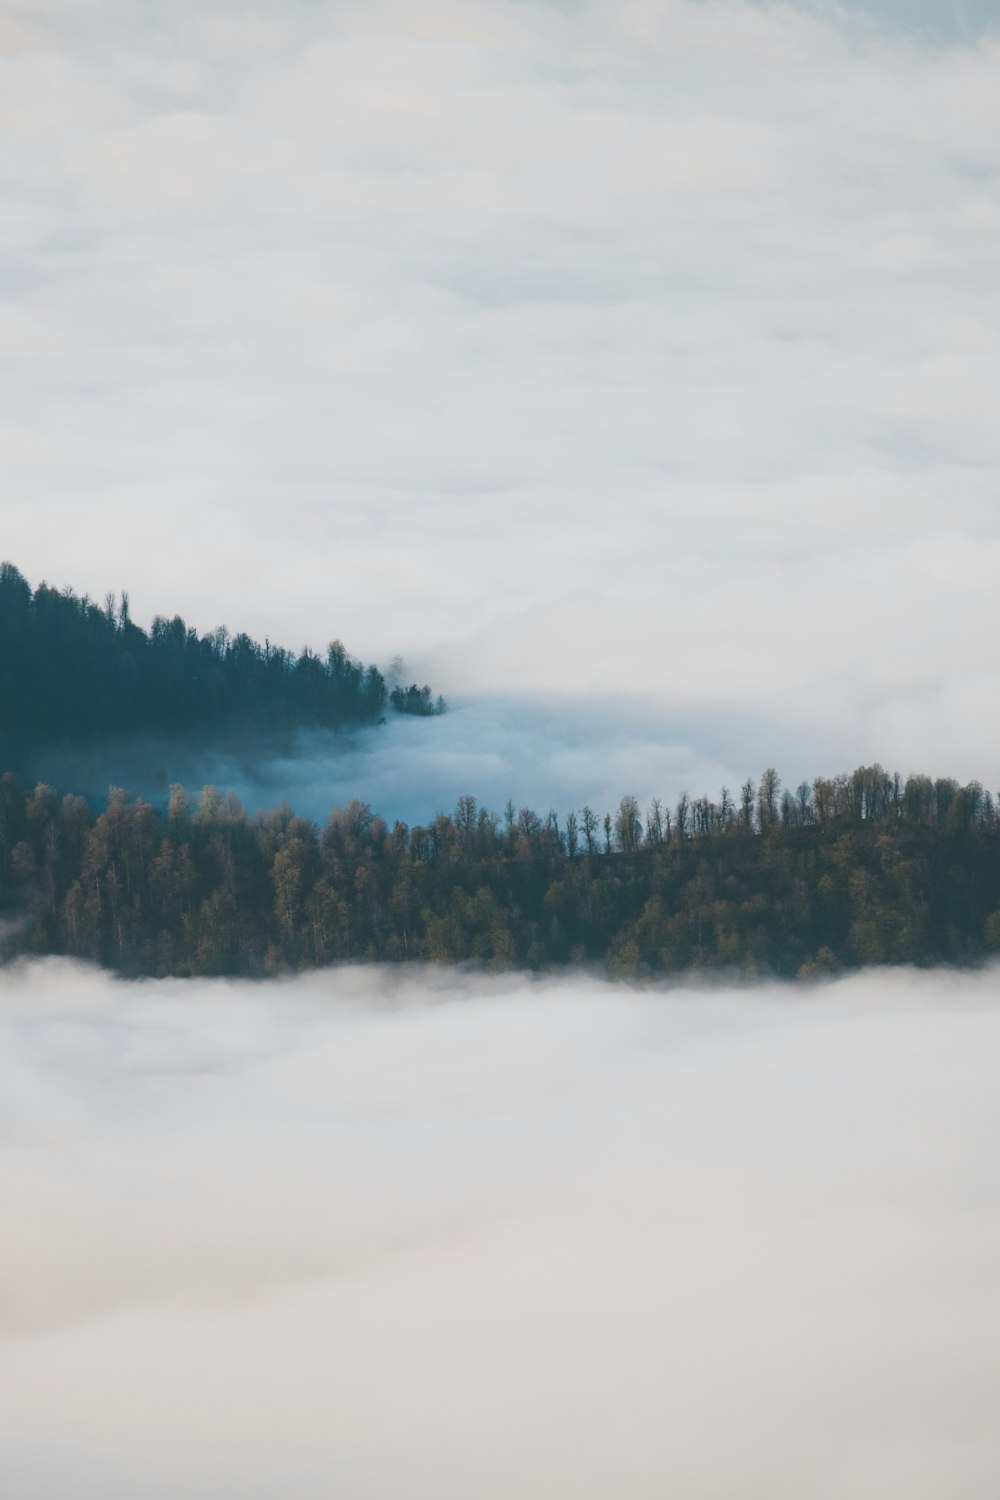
(374, 1234)
(539, 751)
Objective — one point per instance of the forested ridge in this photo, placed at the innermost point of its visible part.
(858, 869)
(75, 672)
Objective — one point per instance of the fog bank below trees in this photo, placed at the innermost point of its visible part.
(379, 1233)
(541, 750)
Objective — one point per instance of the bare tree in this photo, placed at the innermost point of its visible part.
(529, 824)
(465, 821)
(767, 799)
(589, 824)
(705, 815)
(747, 794)
(489, 828)
(803, 796)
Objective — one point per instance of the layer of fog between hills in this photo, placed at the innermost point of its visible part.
(379, 1233)
(557, 754)
(616, 352)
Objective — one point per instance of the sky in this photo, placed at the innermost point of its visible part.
(374, 1234)
(629, 368)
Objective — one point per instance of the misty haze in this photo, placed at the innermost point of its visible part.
(379, 1234)
(499, 750)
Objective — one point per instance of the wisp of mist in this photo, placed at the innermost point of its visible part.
(556, 754)
(376, 1233)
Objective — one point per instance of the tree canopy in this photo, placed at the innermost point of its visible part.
(864, 868)
(72, 671)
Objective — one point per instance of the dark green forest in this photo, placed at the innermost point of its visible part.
(73, 672)
(857, 869)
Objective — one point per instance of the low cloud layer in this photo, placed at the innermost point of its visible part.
(538, 752)
(598, 350)
(544, 751)
(377, 1234)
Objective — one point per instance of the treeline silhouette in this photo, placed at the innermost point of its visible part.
(72, 671)
(858, 869)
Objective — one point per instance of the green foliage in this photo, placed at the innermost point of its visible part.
(858, 870)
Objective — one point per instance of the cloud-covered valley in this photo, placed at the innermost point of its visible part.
(378, 1233)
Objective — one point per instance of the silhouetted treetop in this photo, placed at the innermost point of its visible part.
(73, 671)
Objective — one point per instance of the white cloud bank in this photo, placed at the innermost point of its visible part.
(605, 348)
(373, 1234)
